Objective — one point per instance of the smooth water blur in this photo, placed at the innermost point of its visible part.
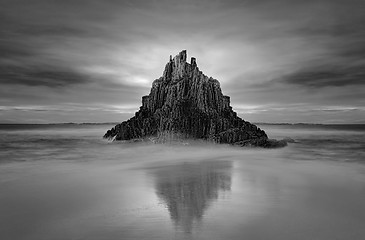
(66, 182)
(344, 143)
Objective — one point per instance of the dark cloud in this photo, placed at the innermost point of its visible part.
(10, 50)
(40, 76)
(327, 77)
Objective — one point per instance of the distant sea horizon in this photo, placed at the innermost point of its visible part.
(107, 123)
(335, 126)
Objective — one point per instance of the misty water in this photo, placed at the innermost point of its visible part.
(66, 182)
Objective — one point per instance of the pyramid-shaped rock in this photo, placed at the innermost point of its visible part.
(186, 104)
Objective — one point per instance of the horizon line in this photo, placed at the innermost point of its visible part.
(103, 123)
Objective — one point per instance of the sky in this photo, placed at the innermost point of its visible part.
(92, 61)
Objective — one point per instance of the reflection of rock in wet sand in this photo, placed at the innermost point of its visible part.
(187, 189)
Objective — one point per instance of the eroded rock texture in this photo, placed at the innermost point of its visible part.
(185, 103)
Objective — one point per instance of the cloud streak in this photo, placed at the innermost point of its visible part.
(327, 77)
(52, 78)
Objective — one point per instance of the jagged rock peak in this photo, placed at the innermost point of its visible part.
(178, 67)
(185, 103)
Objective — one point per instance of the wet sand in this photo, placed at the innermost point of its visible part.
(182, 192)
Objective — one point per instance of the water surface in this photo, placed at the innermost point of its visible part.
(65, 182)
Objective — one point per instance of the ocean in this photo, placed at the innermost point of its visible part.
(63, 181)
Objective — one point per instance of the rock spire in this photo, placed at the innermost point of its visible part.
(186, 104)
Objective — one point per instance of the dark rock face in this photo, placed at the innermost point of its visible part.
(185, 103)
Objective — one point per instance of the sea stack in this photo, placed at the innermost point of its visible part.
(186, 104)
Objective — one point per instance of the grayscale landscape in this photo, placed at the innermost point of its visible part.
(182, 119)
